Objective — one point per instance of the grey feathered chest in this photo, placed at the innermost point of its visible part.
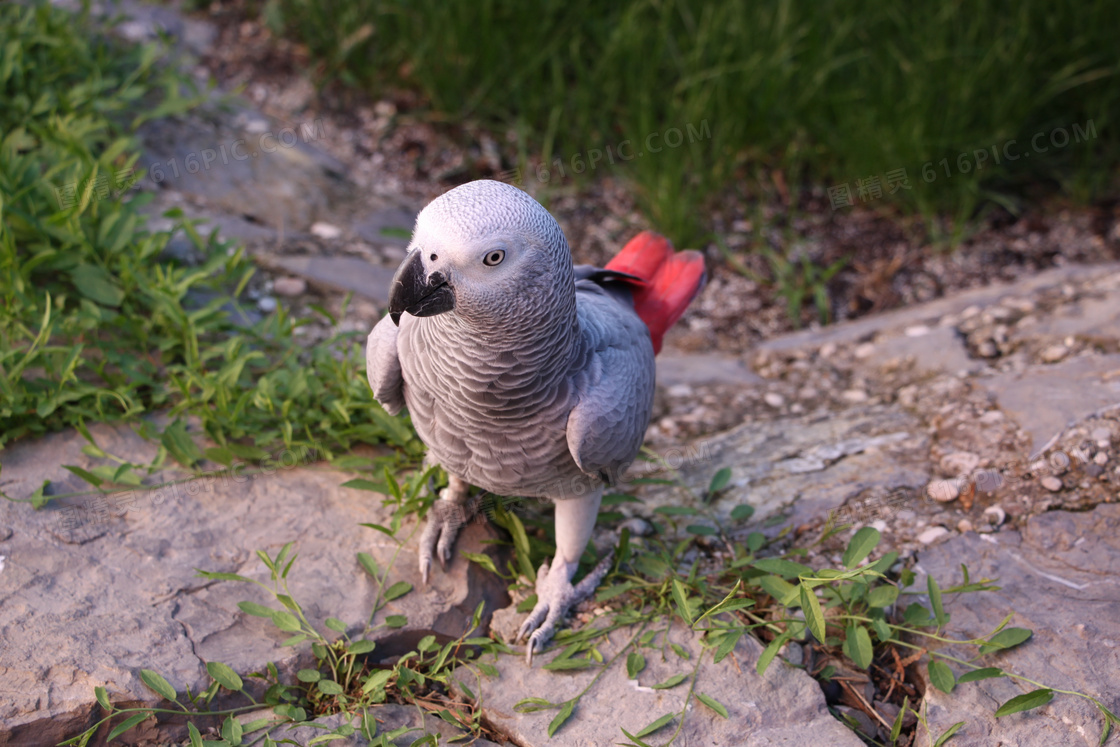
(498, 412)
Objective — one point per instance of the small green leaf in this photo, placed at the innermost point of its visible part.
(360, 484)
(663, 721)
(701, 529)
(224, 675)
(481, 559)
(377, 680)
(308, 675)
(770, 652)
(673, 681)
(252, 608)
(103, 698)
(860, 546)
(980, 674)
(286, 621)
(882, 596)
(742, 512)
(426, 643)
(635, 663)
(948, 733)
(180, 445)
(718, 483)
(329, 687)
(857, 645)
(811, 606)
(935, 601)
(1026, 701)
(727, 645)
(680, 596)
(396, 621)
(1005, 639)
(941, 676)
(782, 567)
(562, 663)
(680, 651)
(362, 647)
(156, 681)
(916, 614)
(896, 727)
(89, 477)
(127, 724)
(782, 590)
(712, 703)
(97, 284)
(397, 590)
(231, 730)
(675, 510)
(368, 563)
(564, 715)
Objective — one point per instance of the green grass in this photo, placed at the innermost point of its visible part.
(97, 325)
(828, 91)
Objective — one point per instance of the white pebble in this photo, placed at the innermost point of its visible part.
(289, 286)
(855, 396)
(1101, 458)
(932, 534)
(964, 525)
(325, 230)
(918, 330)
(865, 350)
(267, 304)
(774, 399)
(1051, 483)
(943, 491)
(1054, 353)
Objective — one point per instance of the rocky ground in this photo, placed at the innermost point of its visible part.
(968, 407)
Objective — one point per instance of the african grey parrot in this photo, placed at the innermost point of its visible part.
(525, 375)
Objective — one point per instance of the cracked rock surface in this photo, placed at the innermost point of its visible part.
(91, 592)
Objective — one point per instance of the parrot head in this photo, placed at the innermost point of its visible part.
(486, 251)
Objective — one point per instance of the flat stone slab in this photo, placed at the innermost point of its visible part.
(805, 467)
(704, 368)
(341, 274)
(1047, 399)
(782, 707)
(1060, 578)
(93, 591)
(389, 717)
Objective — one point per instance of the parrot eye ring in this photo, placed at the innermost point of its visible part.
(494, 257)
(434, 257)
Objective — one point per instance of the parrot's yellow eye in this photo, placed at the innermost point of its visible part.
(494, 257)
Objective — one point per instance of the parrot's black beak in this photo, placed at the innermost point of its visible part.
(418, 293)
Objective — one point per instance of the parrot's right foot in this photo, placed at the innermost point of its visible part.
(555, 596)
(446, 517)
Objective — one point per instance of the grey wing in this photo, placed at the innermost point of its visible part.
(614, 385)
(383, 366)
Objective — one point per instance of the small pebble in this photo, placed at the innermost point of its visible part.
(1054, 353)
(879, 525)
(774, 399)
(1103, 437)
(943, 491)
(991, 416)
(865, 350)
(964, 525)
(679, 390)
(289, 286)
(267, 304)
(1101, 458)
(932, 534)
(995, 515)
(855, 396)
(918, 330)
(325, 230)
(794, 654)
(1051, 483)
(959, 464)
(5, 533)
(827, 350)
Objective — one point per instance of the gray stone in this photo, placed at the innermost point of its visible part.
(899, 319)
(1046, 399)
(280, 180)
(91, 592)
(1059, 579)
(704, 368)
(389, 226)
(807, 466)
(389, 718)
(340, 274)
(782, 707)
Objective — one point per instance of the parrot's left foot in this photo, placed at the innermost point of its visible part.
(447, 516)
(555, 596)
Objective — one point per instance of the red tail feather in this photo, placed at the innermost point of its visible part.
(672, 280)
